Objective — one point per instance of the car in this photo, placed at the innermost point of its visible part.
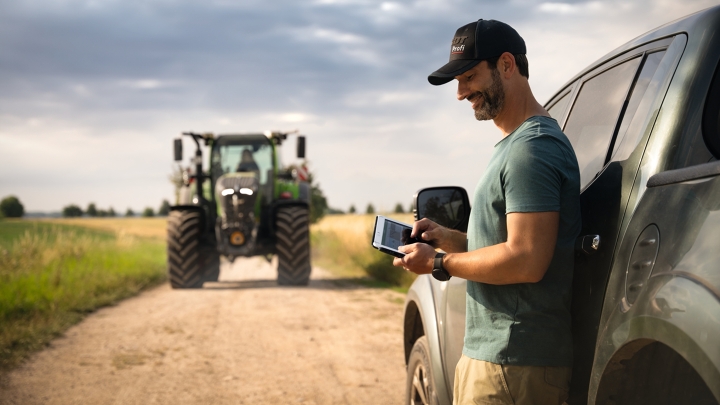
(644, 121)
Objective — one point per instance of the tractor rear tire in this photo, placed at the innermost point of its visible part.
(191, 261)
(293, 245)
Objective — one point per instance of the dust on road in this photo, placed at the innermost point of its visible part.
(241, 341)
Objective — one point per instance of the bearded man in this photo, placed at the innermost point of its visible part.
(518, 253)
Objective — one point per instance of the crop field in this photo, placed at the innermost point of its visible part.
(341, 244)
(54, 272)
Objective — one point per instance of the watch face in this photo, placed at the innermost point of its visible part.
(441, 274)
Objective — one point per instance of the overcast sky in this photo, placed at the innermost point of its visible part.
(93, 92)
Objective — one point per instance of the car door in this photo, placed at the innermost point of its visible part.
(607, 120)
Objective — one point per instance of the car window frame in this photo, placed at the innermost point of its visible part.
(599, 68)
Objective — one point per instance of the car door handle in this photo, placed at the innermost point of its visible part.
(588, 244)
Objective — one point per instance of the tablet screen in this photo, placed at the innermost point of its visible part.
(395, 234)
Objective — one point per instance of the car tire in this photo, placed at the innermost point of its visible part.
(420, 383)
(293, 245)
(191, 261)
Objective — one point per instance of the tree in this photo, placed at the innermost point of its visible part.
(129, 213)
(11, 207)
(91, 210)
(102, 213)
(111, 212)
(72, 211)
(399, 209)
(148, 212)
(352, 209)
(410, 208)
(164, 209)
(370, 209)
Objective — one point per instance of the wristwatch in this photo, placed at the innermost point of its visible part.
(438, 270)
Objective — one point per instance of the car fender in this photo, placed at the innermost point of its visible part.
(420, 301)
(677, 309)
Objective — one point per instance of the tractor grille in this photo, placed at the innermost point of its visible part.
(236, 182)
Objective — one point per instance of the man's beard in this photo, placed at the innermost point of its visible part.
(493, 99)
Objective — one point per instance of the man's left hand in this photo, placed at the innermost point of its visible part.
(418, 258)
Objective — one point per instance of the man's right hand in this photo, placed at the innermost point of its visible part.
(449, 240)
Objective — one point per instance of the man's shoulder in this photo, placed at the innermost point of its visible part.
(541, 133)
(539, 127)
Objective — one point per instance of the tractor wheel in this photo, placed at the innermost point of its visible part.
(190, 261)
(293, 245)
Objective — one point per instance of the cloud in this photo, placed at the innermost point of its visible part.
(569, 8)
(143, 84)
(93, 92)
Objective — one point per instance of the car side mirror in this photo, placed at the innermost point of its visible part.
(301, 147)
(178, 149)
(447, 206)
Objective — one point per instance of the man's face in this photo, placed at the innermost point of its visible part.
(484, 89)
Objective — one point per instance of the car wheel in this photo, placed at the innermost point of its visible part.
(420, 388)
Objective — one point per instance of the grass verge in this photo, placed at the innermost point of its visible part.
(341, 244)
(52, 274)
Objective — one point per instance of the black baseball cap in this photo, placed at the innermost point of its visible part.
(475, 42)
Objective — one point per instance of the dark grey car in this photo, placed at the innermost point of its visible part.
(644, 121)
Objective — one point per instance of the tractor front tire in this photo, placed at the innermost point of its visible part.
(191, 261)
(293, 245)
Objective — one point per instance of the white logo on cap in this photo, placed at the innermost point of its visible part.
(457, 49)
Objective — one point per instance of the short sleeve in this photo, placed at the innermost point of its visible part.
(532, 176)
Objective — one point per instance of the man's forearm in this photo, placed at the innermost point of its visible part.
(497, 264)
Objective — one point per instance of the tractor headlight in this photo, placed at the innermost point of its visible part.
(227, 191)
(246, 191)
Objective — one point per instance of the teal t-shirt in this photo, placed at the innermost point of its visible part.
(533, 169)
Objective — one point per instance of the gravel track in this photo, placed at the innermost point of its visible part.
(243, 340)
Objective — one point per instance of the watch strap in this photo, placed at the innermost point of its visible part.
(439, 271)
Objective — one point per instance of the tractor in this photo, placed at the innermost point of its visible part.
(246, 204)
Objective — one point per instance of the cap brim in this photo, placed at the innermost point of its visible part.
(450, 70)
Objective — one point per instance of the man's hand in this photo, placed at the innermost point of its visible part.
(438, 236)
(418, 258)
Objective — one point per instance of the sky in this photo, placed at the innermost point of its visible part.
(92, 93)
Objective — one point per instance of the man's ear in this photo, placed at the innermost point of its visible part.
(506, 65)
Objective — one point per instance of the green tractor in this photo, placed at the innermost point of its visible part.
(245, 205)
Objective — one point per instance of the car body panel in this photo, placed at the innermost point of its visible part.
(421, 296)
(680, 303)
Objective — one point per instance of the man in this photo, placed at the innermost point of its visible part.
(518, 253)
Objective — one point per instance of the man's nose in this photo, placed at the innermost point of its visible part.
(462, 91)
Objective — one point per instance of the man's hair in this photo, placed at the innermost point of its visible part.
(520, 61)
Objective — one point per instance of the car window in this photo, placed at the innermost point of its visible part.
(643, 95)
(594, 115)
(558, 109)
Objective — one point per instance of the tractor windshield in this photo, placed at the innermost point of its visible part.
(242, 153)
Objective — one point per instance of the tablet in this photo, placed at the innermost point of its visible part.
(389, 235)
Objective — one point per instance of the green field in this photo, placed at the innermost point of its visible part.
(51, 274)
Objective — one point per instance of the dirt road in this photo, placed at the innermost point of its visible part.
(241, 341)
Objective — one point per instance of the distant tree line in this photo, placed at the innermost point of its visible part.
(73, 211)
(370, 209)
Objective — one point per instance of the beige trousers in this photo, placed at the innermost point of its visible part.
(480, 382)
